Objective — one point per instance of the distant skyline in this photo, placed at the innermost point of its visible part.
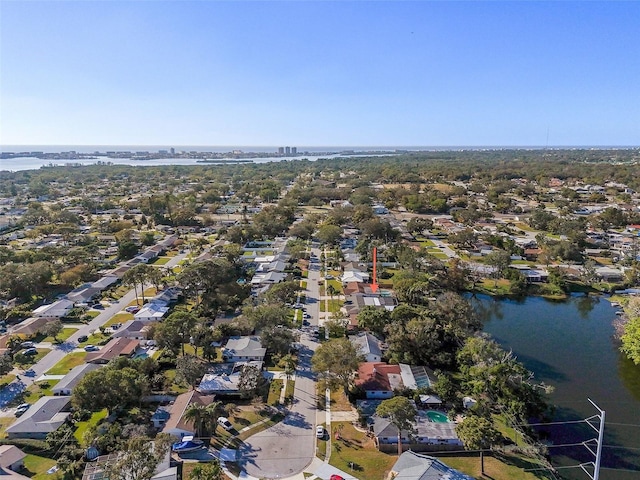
(322, 73)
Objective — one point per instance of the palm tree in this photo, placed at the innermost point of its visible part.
(289, 365)
(140, 274)
(211, 414)
(196, 413)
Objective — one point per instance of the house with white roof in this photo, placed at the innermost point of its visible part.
(151, 312)
(57, 309)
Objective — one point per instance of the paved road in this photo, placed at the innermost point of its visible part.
(289, 447)
(60, 350)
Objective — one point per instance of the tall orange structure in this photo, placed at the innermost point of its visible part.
(374, 284)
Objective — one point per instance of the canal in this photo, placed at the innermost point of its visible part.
(570, 346)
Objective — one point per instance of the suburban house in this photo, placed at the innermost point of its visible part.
(378, 380)
(133, 329)
(368, 345)
(83, 295)
(354, 276)
(95, 470)
(152, 312)
(167, 296)
(30, 326)
(117, 347)
(11, 458)
(57, 309)
(428, 435)
(224, 381)
(43, 417)
(243, 349)
(105, 282)
(176, 425)
(66, 385)
(148, 256)
(416, 466)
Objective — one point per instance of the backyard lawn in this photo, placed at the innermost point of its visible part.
(355, 453)
(37, 466)
(95, 419)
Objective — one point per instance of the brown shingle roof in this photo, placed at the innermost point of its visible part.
(115, 348)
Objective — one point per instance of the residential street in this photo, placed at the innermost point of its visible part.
(60, 350)
(289, 447)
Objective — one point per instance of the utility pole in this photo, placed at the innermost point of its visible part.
(598, 441)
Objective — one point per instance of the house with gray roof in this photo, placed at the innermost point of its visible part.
(427, 435)
(244, 349)
(368, 345)
(43, 417)
(67, 383)
(417, 466)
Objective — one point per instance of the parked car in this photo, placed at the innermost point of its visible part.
(30, 351)
(132, 309)
(320, 431)
(97, 306)
(82, 338)
(23, 407)
(27, 344)
(90, 348)
(305, 323)
(336, 477)
(30, 373)
(225, 423)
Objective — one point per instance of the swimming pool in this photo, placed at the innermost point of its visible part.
(438, 417)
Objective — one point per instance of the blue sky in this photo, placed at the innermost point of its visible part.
(319, 73)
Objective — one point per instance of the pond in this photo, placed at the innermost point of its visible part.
(570, 346)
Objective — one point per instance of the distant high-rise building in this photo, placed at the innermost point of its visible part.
(172, 150)
(280, 150)
(294, 150)
(287, 150)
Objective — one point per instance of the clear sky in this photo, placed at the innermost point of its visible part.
(321, 73)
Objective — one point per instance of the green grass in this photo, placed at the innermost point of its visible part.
(161, 261)
(6, 379)
(274, 391)
(503, 468)
(95, 419)
(355, 448)
(37, 467)
(119, 318)
(62, 336)
(4, 423)
(289, 389)
(334, 305)
(38, 390)
(96, 338)
(67, 363)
